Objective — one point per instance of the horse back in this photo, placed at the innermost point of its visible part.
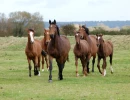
(65, 42)
(93, 44)
(108, 48)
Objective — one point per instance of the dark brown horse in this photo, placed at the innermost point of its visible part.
(44, 43)
(105, 49)
(91, 39)
(58, 48)
(33, 52)
(82, 51)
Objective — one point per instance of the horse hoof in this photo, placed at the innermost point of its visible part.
(29, 75)
(42, 70)
(50, 81)
(77, 75)
(60, 78)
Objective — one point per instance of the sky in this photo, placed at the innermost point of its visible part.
(71, 10)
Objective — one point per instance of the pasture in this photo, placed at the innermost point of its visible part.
(15, 84)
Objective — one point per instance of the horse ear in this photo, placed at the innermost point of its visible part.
(49, 21)
(54, 21)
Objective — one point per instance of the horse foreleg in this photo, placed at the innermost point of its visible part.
(42, 63)
(46, 59)
(29, 67)
(60, 66)
(36, 66)
(98, 65)
(50, 69)
(104, 66)
(83, 61)
(76, 64)
(39, 59)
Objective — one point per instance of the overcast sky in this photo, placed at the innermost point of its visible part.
(71, 10)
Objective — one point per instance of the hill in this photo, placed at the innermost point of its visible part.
(111, 24)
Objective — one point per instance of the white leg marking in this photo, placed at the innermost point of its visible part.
(39, 73)
(42, 70)
(111, 69)
(105, 72)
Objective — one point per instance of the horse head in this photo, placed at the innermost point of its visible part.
(31, 35)
(77, 37)
(84, 32)
(99, 39)
(46, 36)
(53, 28)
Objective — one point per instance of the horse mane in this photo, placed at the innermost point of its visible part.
(58, 31)
(86, 29)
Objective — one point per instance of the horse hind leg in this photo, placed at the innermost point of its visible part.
(93, 62)
(111, 63)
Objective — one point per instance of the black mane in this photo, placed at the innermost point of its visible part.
(86, 29)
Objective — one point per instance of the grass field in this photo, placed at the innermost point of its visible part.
(15, 84)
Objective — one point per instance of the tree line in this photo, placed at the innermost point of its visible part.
(18, 22)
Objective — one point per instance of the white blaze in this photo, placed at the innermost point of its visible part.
(31, 36)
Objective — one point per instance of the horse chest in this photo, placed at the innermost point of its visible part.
(54, 52)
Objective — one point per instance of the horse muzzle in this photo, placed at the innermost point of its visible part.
(52, 36)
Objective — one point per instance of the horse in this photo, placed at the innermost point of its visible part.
(33, 52)
(105, 49)
(58, 48)
(91, 39)
(44, 43)
(81, 50)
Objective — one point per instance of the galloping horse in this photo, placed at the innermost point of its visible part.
(82, 51)
(33, 52)
(91, 39)
(105, 49)
(58, 48)
(44, 44)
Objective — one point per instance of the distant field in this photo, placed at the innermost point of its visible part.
(15, 84)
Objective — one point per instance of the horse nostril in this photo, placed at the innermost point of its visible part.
(47, 42)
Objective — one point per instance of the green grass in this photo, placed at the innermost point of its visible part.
(15, 84)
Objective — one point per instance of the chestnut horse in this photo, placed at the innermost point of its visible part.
(91, 39)
(33, 52)
(81, 50)
(44, 43)
(58, 48)
(105, 49)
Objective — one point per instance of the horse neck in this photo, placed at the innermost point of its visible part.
(78, 45)
(101, 47)
(55, 40)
